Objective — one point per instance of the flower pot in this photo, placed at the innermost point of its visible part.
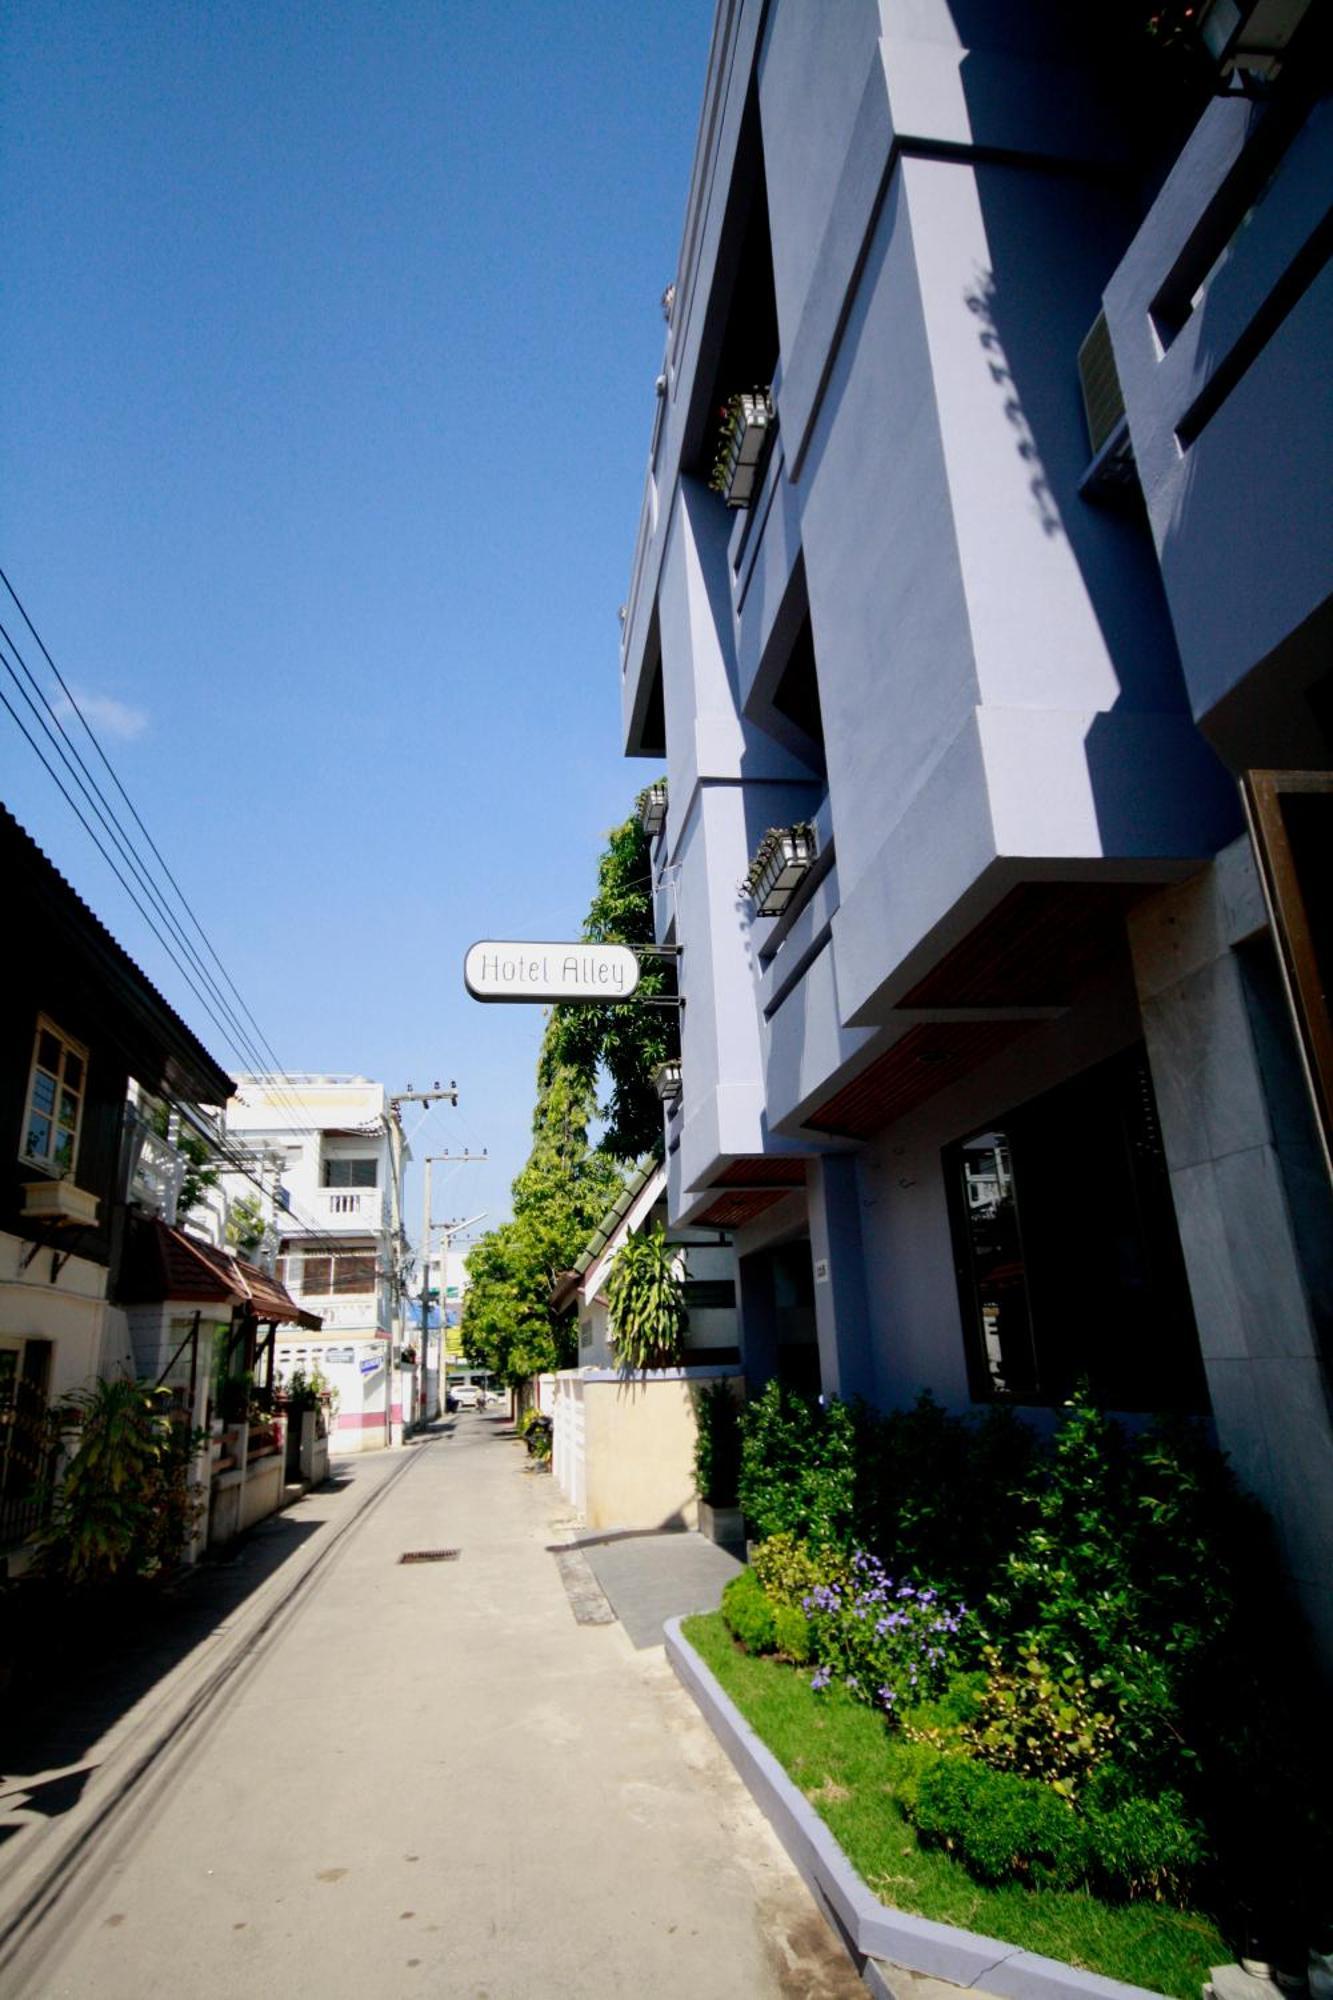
(723, 1525)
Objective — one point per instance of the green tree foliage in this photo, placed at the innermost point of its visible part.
(201, 1170)
(562, 1193)
(646, 1302)
(625, 1040)
(245, 1224)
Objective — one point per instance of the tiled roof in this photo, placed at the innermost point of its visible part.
(165, 1263)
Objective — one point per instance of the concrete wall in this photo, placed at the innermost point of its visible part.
(1247, 331)
(70, 1313)
(629, 1460)
(1259, 1278)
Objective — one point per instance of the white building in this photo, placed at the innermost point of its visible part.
(338, 1149)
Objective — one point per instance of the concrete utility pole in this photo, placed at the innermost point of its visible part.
(427, 1226)
(398, 1151)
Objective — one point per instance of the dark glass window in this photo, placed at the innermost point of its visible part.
(350, 1173)
(1069, 1262)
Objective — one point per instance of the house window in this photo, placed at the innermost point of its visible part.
(54, 1112)
(337, 1273)
(1066, 1274)
(360, 1173)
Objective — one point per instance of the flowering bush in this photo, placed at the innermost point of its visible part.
(891, 1644)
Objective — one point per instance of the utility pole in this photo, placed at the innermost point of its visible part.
(458, 1159)
(398, 1153)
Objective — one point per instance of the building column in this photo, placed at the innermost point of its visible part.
(757, 1321)
(1226, 1131)
(842, 1319)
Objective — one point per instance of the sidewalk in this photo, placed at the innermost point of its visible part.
(424, 1778)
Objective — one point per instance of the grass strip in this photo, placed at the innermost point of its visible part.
(849, 1767)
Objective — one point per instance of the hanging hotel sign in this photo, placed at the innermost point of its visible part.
(500, 970)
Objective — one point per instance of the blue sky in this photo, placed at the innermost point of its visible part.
(328, 338)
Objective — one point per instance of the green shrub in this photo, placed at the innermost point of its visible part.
(940, 1723)
(790, 1569)
(534, 1427)
(797, 1467)
(1142, 1847)
(717, 1444)
(1038, 1723)
(126, 1505)
(939, 1497)
(1001, 1827)
(791, 1632)
(748, 1613)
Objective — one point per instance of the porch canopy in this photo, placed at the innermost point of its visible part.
(165, 1264)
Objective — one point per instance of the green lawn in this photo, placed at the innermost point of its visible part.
(848, 1764)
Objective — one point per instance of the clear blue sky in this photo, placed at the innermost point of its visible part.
(328, 341)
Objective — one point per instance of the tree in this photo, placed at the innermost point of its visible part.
(560, 1196)
(626, 1040)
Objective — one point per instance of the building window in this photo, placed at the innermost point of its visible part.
(335, 1273)
(1065, 1274)
(54, 1112)
(358, 1173)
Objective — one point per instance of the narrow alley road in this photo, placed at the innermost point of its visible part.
(429, 1779)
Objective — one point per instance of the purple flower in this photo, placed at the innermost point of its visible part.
(820, 1679)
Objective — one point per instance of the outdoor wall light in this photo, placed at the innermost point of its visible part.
(781, 862)
(667, 1081)
(653, 810)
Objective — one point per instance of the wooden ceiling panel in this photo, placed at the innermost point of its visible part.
(926, 1059)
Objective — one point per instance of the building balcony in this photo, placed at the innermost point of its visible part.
(347, 1208)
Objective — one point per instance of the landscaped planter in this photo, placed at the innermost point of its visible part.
(872, 1929)
(723, 1525)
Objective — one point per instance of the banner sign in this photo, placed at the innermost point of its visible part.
(497, 970)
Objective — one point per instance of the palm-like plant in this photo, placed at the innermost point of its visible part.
(646, 1301)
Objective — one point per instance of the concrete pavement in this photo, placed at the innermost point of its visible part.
(416, 1779)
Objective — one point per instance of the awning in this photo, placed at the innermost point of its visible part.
(165, 1264)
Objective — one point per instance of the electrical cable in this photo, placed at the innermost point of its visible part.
(232, 1029)
(184, 900)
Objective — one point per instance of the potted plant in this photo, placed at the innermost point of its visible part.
(717, 1463)
(744, 427)
(781, 859)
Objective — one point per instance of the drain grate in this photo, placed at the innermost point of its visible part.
(430, 1555)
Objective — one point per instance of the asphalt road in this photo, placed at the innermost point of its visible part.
(378, 1779)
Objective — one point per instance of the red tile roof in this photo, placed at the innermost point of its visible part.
(166, 1263)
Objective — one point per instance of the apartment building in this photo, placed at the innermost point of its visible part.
(980, 610)
(336, 1150)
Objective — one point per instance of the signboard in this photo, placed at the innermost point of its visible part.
(540, 971)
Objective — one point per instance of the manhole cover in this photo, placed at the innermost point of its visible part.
(430, 1555)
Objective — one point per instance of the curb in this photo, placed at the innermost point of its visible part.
(871, 1929)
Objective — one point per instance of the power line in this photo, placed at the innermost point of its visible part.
(228, 1022)
(184, 900)
(231, 1027)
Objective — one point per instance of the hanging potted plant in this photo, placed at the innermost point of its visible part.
(782, 858)
(745, 424)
